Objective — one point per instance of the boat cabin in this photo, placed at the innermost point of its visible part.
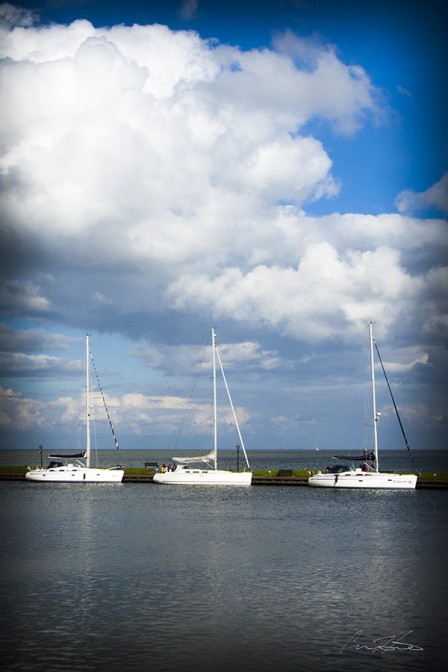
(337, 469)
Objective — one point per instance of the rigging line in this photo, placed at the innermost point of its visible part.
(232, 407)
(104, 402)
(395, 407)
(95, 442)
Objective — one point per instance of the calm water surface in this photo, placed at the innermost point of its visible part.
(143, 577)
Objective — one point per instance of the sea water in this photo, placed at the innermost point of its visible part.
(144, 577)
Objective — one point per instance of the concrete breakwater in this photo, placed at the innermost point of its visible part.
(148, 478)
(256, 480)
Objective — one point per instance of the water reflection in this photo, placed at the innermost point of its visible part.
(141, 577)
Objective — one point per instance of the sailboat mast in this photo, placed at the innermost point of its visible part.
(87, 404)
(215, 413)
(375, 414)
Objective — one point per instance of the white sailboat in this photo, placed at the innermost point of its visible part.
(369, 475)
(80, 469)
(184, 473)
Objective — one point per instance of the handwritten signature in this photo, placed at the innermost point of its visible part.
(381, 644)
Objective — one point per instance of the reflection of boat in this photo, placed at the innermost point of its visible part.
(78, 468)
(368, 475)
(184, 474)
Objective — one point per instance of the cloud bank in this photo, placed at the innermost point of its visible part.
(150, 177)
(154, 152)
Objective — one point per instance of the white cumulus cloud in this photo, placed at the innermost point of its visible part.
(146, 170)
(436, 196)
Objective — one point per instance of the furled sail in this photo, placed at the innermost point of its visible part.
(79, 456)
(367, 457)
(207, 459)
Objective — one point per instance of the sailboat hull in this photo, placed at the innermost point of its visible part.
(364, 480)
(73, 474)
(203, 477)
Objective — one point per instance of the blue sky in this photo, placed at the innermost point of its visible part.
(276, 170)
